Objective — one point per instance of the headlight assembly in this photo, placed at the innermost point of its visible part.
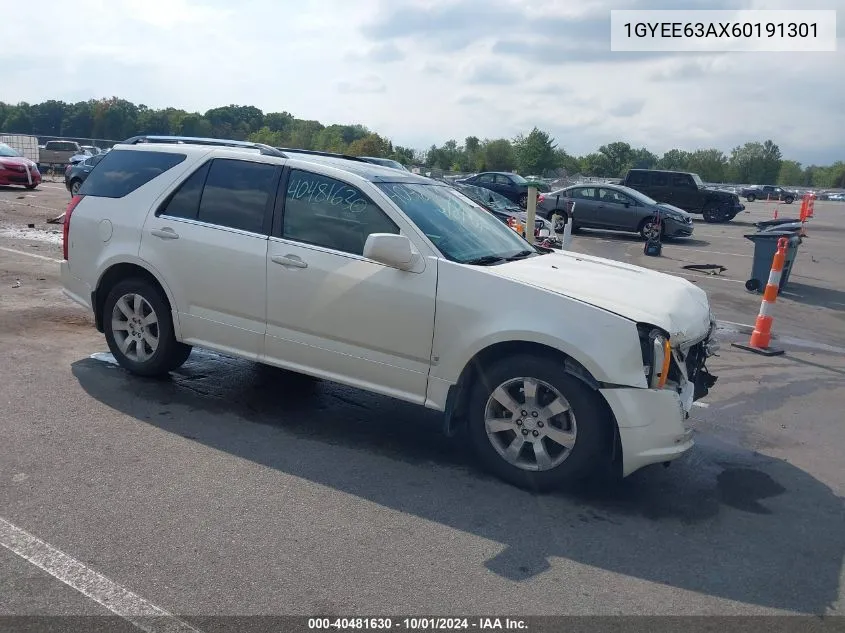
(657, 355)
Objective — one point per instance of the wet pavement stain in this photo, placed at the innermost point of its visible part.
(745, 488)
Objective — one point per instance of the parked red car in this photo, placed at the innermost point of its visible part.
(17, 170)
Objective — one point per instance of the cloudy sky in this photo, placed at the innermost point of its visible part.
(425, 71)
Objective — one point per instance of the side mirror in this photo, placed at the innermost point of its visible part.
(392, 250)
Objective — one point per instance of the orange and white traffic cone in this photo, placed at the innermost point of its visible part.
(761, 337)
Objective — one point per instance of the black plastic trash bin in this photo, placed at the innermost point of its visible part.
(765, 247)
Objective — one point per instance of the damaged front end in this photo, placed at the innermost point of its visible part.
(682, 366)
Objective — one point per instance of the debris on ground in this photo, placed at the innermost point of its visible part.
(57, 220)
(710, 269)
(17, 283)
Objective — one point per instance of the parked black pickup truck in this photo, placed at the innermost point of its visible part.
(685, 190)
(768, 192)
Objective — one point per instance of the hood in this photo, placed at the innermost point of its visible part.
(639, 294)
(16, 160)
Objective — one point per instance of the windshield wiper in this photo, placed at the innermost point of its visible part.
(520, 255)
(486, 260)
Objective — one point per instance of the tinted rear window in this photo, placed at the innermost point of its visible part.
(122, 171)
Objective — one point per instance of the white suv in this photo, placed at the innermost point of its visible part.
(555, 364)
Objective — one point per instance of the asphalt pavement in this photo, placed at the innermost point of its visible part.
(236, 489)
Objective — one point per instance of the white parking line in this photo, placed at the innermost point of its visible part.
(35, 255)
(117, 599)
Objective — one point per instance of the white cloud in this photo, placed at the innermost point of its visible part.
(423, 72)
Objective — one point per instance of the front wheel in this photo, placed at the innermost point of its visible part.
(714, 214)
(789, 200)
(535, 426)
(563, 218)
(74, 187)
(31, 187)
(139, 329)
(650, 229)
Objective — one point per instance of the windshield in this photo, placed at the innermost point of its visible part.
(518, 179)
(5, 150)
(486, 197)
(639, 196)
(458, 227)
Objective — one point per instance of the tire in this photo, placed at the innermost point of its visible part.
(523, 201)
(564, 219)
(31, 187)
(789, 200)
(714, 215)
(158, 358)
(585, 426)
(647, 227)
(750, 197)
(74, 187)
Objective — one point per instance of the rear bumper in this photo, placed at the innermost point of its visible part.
(74, 288)
(651, 425)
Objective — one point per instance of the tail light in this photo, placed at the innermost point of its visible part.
(66, 228)
(540, 198)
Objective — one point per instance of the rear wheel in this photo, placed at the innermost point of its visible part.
(74, 187)
(789, 200)
(139, 329)
(750, 197)
(32, 186)
(535, 426)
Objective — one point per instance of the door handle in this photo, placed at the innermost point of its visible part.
(289, 260)
(166, 233)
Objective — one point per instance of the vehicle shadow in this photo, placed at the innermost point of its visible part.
(815, 296)
(722, 521)
(635, 238)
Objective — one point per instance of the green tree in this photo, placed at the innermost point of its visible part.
(595, 164)
(371, 145)
(47, 117)
(619, 159)
(114, 119)
(677, 159)
(641, 159)
(755, 162)
(151, 121)
(791, 173)
(569, 164)
(498, 155)
(535, 152)
(710, 164)
(194, 125)
(18, 121)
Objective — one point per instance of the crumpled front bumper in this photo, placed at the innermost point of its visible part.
(652, 423)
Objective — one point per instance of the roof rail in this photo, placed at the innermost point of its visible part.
(315, 152)
(195, 140)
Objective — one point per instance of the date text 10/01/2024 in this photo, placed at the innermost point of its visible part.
(721, 29)
(417, 624)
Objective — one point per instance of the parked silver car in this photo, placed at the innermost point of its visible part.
(614, 207)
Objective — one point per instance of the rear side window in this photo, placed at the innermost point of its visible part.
(122, 171)
(185, 201)
(638, 178)
(237, 193)
(659, 179)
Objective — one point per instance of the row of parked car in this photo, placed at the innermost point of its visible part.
(648, 202)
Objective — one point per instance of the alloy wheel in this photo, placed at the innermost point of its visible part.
(530, 424)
